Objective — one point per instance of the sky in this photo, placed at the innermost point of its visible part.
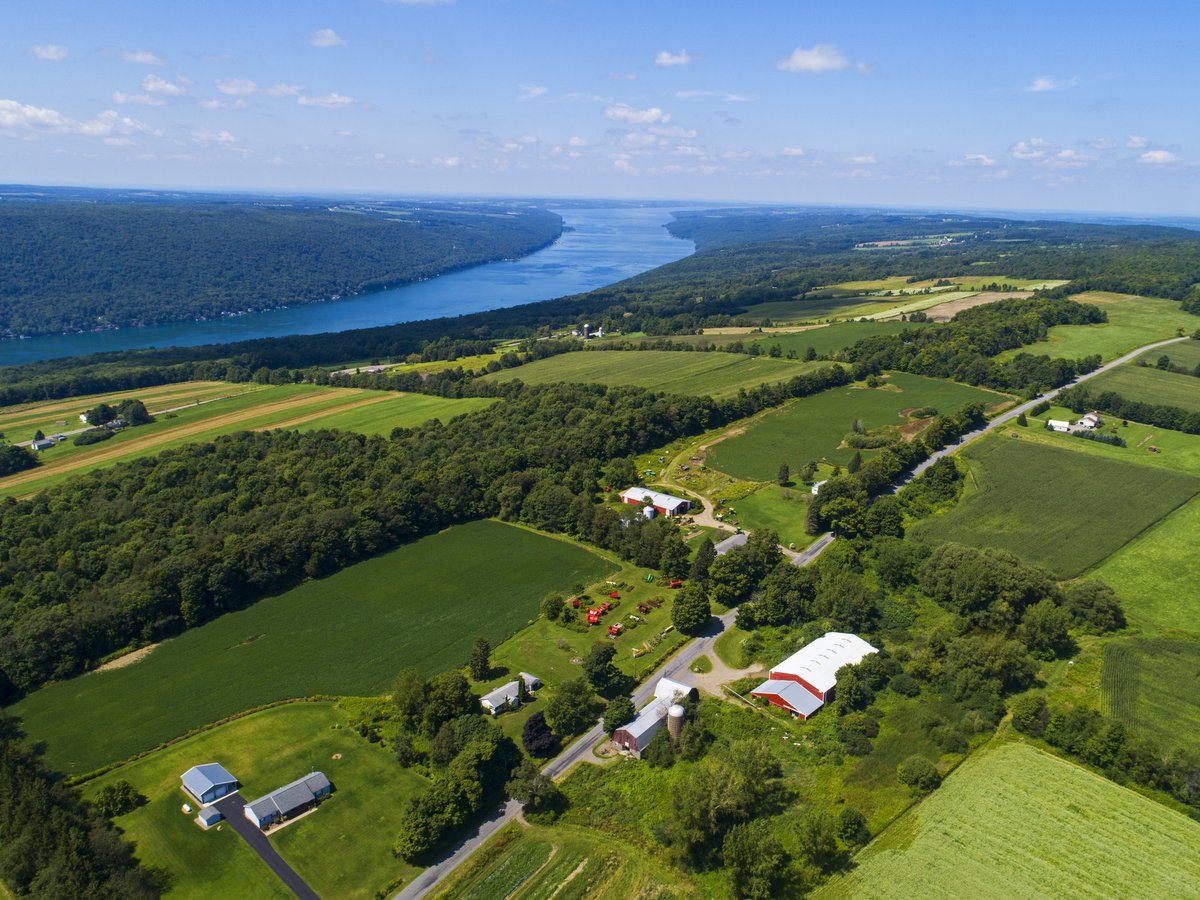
(1030, 106)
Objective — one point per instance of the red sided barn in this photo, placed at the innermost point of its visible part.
(662, 504)
(804, 682)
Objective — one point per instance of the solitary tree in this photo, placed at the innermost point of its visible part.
(536, 736)
(919, 774)
(540, 796)
(785, 475)
(855, 462)
(480, 661)
(691, 611)
(553, 607)
(1022, 421)
(810, 353)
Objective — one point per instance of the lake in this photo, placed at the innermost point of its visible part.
(602, 246)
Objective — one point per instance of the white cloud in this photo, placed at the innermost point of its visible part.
(622, 112)
(152, 84)
(23, 116)
(452, 162)
(529, 91)
(1137, 142)
(973, 159)
(814, 61)
(723, 95)
(281, 90)
(1158, 158)
(329, 101)
(1034, 148)
(241, 87)
(577, 142)
(137, 99)
(622, 76)
(142, 57)
(861, 160)
(1102, 144)
(1046, 83)
(50, 52)
(1069, 159)
(666, 58)
(112, 122)
(792, 151)
(326, 37)
(213, 137)
(344, 133)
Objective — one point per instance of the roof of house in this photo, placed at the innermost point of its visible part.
(1058, 423)
(203, 778)
(817, 663)
(290, 797)
(657, 498)
(648, 722)
(792, 693)
(730, 542)
(506, 693)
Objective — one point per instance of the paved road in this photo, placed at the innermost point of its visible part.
(1025, 407)
(231, 808)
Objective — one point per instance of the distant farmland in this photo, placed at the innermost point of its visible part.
(1061, 509)
(421, 605)
(1150, 385)
(675, 372)
(829, 339)
(812, 428)
(1013, 821)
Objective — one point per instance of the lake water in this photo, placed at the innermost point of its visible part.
(604, 245)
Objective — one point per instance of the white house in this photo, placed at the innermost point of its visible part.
(507, 696)
(1058, 425)
(1090, 421)
(289, 800)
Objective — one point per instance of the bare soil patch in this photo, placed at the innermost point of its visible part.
(127, 659)
(944, 312)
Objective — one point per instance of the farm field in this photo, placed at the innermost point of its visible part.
(279, 406)
(1132, 322)
(829, 339)
(1185, 353)
(1150, 685)
(564, 862)
(1061, 509)
(851, 306)
(397, 411)
(697, 374)
(781, 509)
(1173, 450)
(1150, 385)
(344, 849)
(349, 634)
(1013, 821)
(1156, 575)
(812, 428)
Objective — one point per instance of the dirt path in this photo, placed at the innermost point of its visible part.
(721, 674)
(128, 659)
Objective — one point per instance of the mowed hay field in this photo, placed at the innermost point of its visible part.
(811, 428)
(1013, 821)
(342, 850)
(237, 408)
(1149, 385)
(674, 372)
(1156, 575)
(1132, 322)
(1153, 686)
(1061, 509)
(349, 634)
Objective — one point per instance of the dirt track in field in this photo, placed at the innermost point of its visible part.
(125, 448)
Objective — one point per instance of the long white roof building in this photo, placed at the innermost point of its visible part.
(816, 664)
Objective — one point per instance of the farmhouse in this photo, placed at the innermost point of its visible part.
(804, 681)
(208, 782)
(636, 736)
(730, 542)
(1090, 421)
(288, 801)
(1058, 425)
(663, 504)
(507, 696)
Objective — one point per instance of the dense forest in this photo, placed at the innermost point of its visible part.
(79, 265)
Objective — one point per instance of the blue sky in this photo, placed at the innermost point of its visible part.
(1067, 106)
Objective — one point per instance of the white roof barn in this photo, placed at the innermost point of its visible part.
(637, 735)
(666, 504)
(815, 665)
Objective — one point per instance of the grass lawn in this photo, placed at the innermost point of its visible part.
(1064, 510)
(1013, 821)
(812, 428)
(349, 634)
(397, 411)
(675, 372)
(1150, 385)
(563, 862)
(828, 339)
(344, 849)
(1156, 575)
(1132, 322)
(780, 509)
(1153, 686)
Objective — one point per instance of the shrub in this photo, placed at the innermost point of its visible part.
(92, 436)
(919, 774)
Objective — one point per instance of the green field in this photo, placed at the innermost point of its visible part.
(1132, 322)
(1153, 686)
(675, 372)
(344, 849)
(1156, 575)
(229, 408)
(829, 339)
(564, 863)
(813, 427)
(1146, 384)
(780, 509)
(1185, 353)
(1013, 821)
(348, 634)
(1058, 508)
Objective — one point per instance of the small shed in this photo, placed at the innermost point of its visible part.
(208, 817)
(816, 488)
(208, 782)
(44, 444)
(1058, 425)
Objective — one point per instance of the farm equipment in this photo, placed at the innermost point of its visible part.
(650, 577)
(676, 583)
(643, 608)
(593, 616)
(614, 595)
(615, 628)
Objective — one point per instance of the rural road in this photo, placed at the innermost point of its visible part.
(1025, 407)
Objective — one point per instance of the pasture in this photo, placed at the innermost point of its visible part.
(1147, 384)
(1185, 353)
(812, 428)
(349, 634)
(1156, 575)
(780, 509)
(1132, 322)
(1013, 821)
(227, 409)
(1153, 686)
(829, 339)
(1061, 509)
(674, 372)
(344, 849)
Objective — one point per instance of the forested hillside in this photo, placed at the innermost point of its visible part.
(75, 265)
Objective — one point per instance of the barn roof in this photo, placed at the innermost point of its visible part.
(671, 691)
(817, 663)
(648, 722)
(657, 498)
(201, 779)
(792, 693)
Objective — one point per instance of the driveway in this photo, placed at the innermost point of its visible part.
(231, 808)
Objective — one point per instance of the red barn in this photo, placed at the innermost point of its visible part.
(804, 681)
(663, 504)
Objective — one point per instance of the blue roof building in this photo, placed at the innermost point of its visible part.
(289, 800)
(208, 782)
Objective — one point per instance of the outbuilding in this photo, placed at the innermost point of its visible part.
(289, 801)
(1058, 425)
(208, 782)
(43, 444)
(636, 736)
(208, 817)
(663, 504)
(813, 668)
(816, 488)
